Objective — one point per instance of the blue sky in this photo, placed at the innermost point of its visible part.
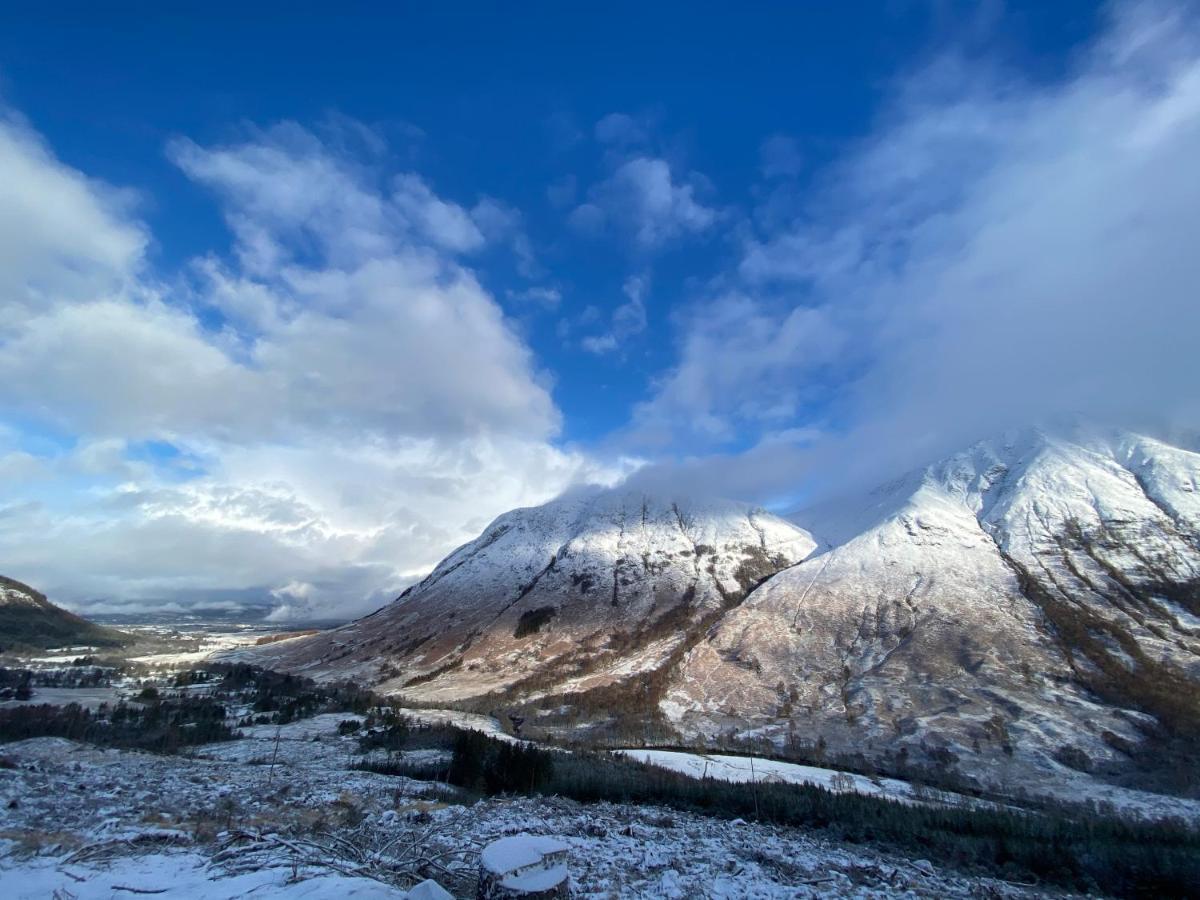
(313, 296)
(482, 101)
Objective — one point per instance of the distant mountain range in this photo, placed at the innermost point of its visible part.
(1029, 607)
(29, 621)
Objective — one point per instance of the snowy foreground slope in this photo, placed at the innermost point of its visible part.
(1025, 608)
(1024, 612)
(161, 825)
(582, 592)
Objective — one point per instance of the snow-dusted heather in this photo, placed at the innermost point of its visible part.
(160, 821)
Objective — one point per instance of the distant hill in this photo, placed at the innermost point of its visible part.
(29, 621)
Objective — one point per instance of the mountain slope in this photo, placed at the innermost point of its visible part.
(583, 592)
(29, 620)
(1029, 604)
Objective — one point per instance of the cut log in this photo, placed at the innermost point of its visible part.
(429, 890)
(525, 866)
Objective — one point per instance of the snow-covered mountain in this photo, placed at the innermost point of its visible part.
(588, 590)
(28, 619)
(1030, 603)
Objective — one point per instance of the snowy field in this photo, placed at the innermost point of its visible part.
(744, 769)
(80, 820)
(166, 645)
(203, 644)
(468, 721)
(178, 875)
(87, 697)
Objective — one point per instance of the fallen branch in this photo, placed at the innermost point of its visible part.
(396, 859)
(133, 890)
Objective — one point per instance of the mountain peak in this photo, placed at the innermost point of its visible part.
(1031, 599)
(578, 593)
(1048, 583)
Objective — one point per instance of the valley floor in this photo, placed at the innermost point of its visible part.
(80, 821)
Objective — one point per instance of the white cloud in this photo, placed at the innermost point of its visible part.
(447, 225)
(741, 369)
(500, 223)
(546, 297)
(346, 401)
(284, 194)
(998, 252)
(620, 129)
(354, 522)
(62, 235)
(628, 319)
(643, 196)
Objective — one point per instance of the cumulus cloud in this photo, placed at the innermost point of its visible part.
(446, 224)
(62, 235)
(546, 297)
(741, 369)
(500, 223)
(620, 129)
(998, 252)
(628, 319)
(645, 198)
(336, 405)
(354, 522)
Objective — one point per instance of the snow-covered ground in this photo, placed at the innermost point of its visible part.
(742, 770)
(206, 644)
(469, 721)
(87, 697)
(745, 769)
(168, 645)
(185, 874)
(161, 823)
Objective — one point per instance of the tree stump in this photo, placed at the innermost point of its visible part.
(429, 890)
(524, 866)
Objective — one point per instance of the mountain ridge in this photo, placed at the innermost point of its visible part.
(1023, 601)
(610, 565)
(1028, 607)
